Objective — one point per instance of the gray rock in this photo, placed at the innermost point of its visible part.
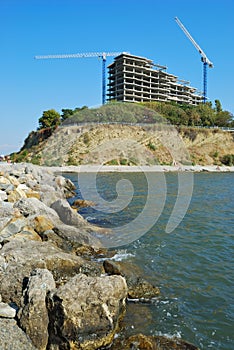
(33, 316)
(49, 194)
(33, 206)
(14, 226)
(84, 313)
(3, 187)
(68, 215)
(36, 172)
(10, 188)
(12, 337)
(6, 213)
(7, 311)
(75, 237)
(6, 209)
(3, 222)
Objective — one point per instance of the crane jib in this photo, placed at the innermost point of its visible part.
(204, 58)
(101, 55)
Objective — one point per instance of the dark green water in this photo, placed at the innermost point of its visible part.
(193, 265)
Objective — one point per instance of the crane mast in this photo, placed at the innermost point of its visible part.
(102, 55)
(204, 58)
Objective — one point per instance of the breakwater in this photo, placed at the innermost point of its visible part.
(59, 288)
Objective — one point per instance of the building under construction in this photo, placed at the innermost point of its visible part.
(138, 79)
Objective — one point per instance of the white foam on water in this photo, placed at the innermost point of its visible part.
(170, 336)
(122, 255)
(119, 256)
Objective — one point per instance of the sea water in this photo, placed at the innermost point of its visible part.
(193, 266)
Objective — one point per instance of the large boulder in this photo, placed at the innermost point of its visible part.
(68, 215)
(33, 316)
(74, 237)
(19, 257)
(85, 312)
(138, 286)
(33, 206)
(49, 195)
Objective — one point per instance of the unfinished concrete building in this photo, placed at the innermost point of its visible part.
(138, 79)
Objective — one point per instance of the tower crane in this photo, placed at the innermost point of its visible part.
(204, 58)
(102, 55)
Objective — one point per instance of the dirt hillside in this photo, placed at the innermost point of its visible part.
(131, 145)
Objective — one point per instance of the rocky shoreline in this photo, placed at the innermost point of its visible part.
(59, 289)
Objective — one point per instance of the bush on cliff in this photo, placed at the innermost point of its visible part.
(228, 159)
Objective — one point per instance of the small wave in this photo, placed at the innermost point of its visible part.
(165, 301)
(148, 301)
(90, 218)
(177, 334)
(121, 255)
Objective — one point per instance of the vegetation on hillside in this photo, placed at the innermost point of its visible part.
(147, 112)
(115, 112)
(201, 115)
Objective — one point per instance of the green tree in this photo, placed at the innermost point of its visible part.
(194, 117)
(218, 106)
(228, 159)
(173, 112)
(66, 113)
(223, 118)
(207, 114)
(49, 119)
(78, 109)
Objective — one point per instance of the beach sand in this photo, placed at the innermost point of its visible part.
(132, 169)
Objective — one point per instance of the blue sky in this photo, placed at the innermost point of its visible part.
(142, 27)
